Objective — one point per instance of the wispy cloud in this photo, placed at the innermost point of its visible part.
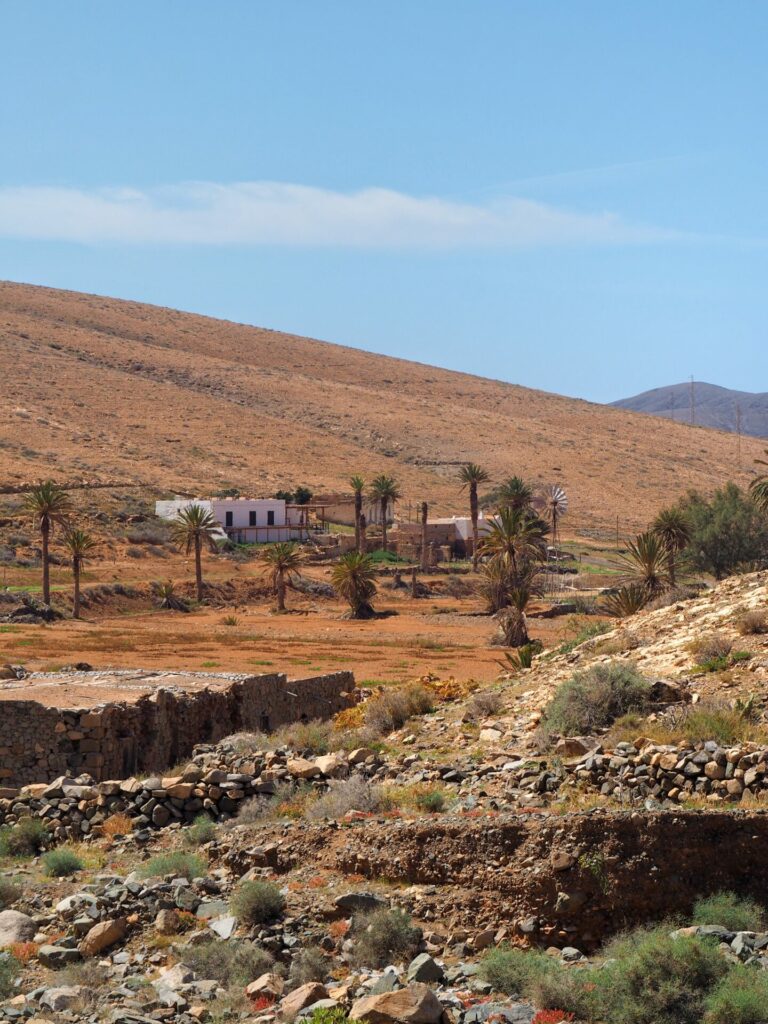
(274, 213)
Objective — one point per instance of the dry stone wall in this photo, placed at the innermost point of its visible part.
(118, 739)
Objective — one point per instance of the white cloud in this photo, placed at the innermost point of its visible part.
(274, 213)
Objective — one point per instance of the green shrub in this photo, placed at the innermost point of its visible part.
(257, 902)
(309, 964)
(61, 863)
(593, 699)
(383, 935)
(10, 891)
(179, 864)
(9, 971)
(514, 971)
(234, 962)
(431, 801)
(202, 830)
(740, 998)
(25, 839)
(659, 979)
(584, 632)
(571, 989)
(736, 913)
(330, 1015)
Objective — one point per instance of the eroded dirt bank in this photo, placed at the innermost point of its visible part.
(570, 879)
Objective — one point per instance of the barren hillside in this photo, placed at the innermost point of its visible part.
(102, 389)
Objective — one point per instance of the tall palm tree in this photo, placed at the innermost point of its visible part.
(50, 506)
(358, 486)
(194, 528)
(79, 544)
(471, 475)
(354, 579)
(516, 537)
(515, 493)
(282, 562)
(424, 548)
(673, 529)
(645, 563)
(384, 489)
(759, 487)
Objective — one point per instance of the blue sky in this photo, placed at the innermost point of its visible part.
(570, 196)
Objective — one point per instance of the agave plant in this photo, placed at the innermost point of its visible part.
(626, 601)
(166, 596)
(354, 579)
(515, 661)
(759, 487)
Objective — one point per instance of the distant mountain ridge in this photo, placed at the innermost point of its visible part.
(713, 406)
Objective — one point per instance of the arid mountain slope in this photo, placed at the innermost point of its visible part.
(100, 388)
(713, 406)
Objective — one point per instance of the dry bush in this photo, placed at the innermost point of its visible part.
(753, 621)
(672, 596)
(265, 807)
(483, 704)
(305, 737)
(353, 794)
(257, 902)
(309, 964)
(234, 962)
(391, 709)
(383, 936)
(710, 648)
(10, 891)
(117, 825)
(707, 720)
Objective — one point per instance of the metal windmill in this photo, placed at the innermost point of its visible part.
(555, 507)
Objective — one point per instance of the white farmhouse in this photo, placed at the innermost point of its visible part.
(246, 520)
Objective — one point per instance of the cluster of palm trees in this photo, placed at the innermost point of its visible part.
(50, 507)
(384, 491)
(650, 565)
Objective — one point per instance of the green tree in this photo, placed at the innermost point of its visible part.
(645, 563)
(470, 475)
(194, 528)
(516, 536)
(672, 528)
(282, 561)
(514, 493)
(357, 484)
(50, 506)
(728, 531)
(384, 489)
(79, 545)
(354, 579)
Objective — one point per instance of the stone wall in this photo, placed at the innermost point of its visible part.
(118, 739)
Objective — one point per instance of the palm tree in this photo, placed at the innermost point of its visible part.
(193, 527)
(626, 601)
(516, 537)
(645, 563)
(79, 544)
(358, 486)
(470, 476)
(384, 489)
(759, 487)
(282, 562)
(513, 625)
(424, 548)
(50, 505)
(354, 579)
(672, 528)
(515, 493)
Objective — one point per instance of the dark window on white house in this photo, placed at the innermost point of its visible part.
(252, 517)
(228, 520)
(270, 518)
